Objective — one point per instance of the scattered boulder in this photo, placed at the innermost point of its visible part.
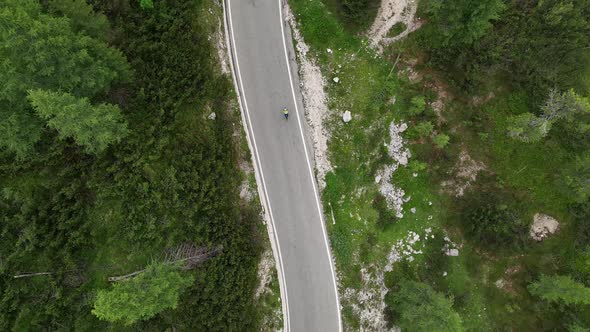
(212, 116)
(402, 127)
(543, 226)
(452, 252)
(347, 116)
(336, 79)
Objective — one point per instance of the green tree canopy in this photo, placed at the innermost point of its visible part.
(82, 17)
(461, 22)
(146, 4)
(545, 43)
(143, 296)
(94, 127)
(568, 106)
(441, 140)
(38, 51)
(419, 308)
(528, 127)
(560, 289)
(576, 176)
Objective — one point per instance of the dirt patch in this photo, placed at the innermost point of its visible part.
(481, 100)
(506, 283)
(314, 100)
(390, 13)
(464, 174)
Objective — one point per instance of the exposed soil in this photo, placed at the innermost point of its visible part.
(390, 13)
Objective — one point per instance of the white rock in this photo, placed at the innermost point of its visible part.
(336, 79)
(415, 174)
(429, 217)
(402, 127)
(543, 226)
(445, 274)
(329, 50)
(347, 116)
(429, 203)
(413, 210)
(428, 230)
(212, 116)
(410, 259)
(452, 252)
(378, 179)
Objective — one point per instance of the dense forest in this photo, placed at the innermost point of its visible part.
(109, 165)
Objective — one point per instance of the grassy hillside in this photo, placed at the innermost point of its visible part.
(460, 76)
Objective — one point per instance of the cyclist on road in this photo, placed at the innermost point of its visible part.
(286, 113)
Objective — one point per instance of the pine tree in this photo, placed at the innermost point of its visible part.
(94, 127)
(419, 308)
(560, 289)
(143, 296)
(39, 51)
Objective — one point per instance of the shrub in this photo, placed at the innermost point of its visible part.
(418, 106)
(422, 129)
(441, 140)
(417, 307)
(358, 12)
(489, 221)
(417, 166)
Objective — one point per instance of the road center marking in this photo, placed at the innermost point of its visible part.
(309, 167)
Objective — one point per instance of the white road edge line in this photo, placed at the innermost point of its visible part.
(313, 184)
(259, 174)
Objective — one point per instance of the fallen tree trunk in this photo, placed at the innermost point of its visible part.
(189, 263)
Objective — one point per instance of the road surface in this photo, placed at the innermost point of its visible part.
(264, 70)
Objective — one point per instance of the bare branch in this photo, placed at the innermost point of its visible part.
(27, 275)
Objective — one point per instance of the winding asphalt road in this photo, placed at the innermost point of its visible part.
(263, 63)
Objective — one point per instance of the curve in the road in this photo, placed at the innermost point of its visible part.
(259, 166)
(263, 194)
